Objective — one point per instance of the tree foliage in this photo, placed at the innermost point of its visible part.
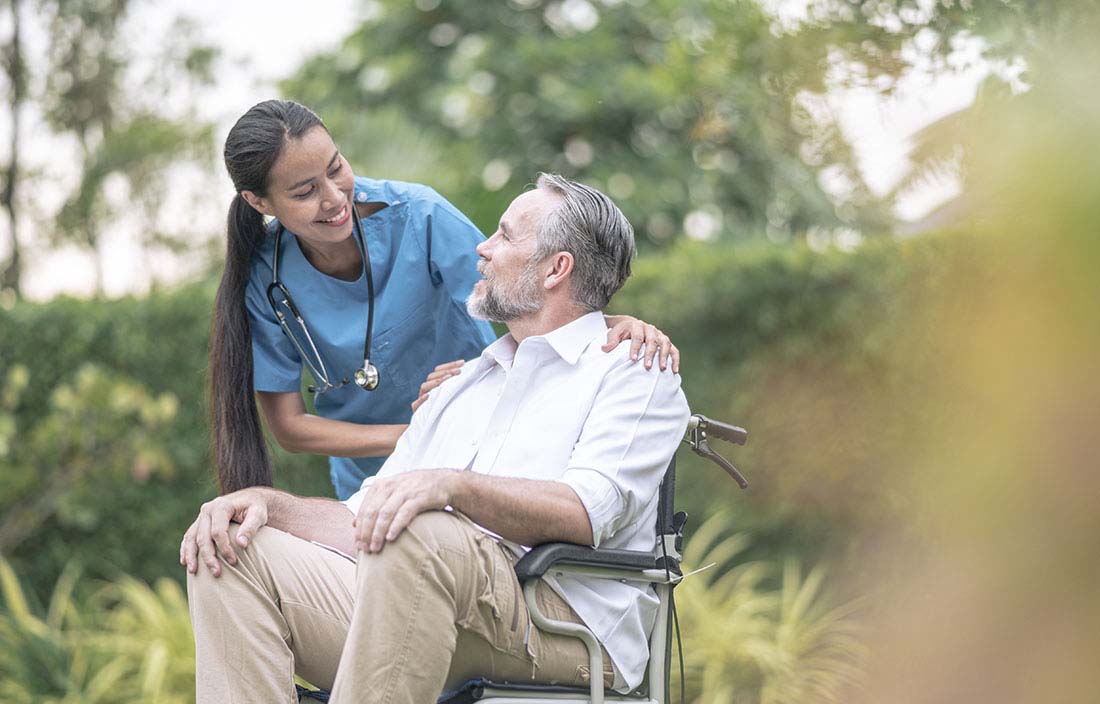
(15, 71)
(133, 120)
(701, 111)
(1021, 43)
(702, 117)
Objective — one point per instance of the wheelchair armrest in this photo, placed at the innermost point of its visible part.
(543, 557)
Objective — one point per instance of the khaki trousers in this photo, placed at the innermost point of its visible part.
(439, 605)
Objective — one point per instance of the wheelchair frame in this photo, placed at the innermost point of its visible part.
(659, 567)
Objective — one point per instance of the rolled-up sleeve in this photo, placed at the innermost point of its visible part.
(628, 440)
(601, 499)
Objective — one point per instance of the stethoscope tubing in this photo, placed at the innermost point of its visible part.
(367, 376)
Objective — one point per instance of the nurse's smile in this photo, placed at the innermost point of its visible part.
(338, 220)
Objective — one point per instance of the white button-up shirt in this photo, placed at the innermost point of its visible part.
(557, 408)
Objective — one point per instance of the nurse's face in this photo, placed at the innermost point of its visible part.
(310, 189)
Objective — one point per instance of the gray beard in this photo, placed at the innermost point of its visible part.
(502, 304)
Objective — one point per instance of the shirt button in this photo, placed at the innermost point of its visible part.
(361, 197)
(474, 443)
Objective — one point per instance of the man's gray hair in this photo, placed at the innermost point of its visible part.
(588, 225)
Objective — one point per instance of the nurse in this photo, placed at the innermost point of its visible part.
(353, 277)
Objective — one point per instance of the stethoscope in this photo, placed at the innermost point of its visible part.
(366, 377)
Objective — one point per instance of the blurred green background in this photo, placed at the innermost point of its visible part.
(922, 523)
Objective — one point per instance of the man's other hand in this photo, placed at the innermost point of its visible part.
(392, 502)
(208, 536)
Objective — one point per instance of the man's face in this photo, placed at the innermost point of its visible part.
(512, 284)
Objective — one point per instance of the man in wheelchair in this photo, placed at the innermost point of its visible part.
(543, 438)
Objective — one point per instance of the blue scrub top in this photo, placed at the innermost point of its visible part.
(422, 258)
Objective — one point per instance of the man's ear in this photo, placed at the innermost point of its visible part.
(258, 203)
(560, 267)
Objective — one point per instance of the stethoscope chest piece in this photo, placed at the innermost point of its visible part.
(366, 377)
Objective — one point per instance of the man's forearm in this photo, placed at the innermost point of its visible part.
(326, 521)
(525, 511)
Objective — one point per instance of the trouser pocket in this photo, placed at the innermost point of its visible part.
(496, 612)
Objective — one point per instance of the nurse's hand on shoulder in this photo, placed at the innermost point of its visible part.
(208, 537)
(657, 344)
(622, 327)
(441, 373)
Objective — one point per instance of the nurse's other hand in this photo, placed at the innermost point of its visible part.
(437, 377)
(657, 344)
(208, 537)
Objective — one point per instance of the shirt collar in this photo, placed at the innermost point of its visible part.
(366, 189)
(369, 190)
(572, 339)
(568, 341)
(501, 352)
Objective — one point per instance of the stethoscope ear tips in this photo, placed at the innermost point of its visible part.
(366, 378)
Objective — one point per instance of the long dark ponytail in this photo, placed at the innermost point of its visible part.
(251, 150)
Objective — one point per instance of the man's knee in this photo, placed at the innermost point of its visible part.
(436, 536)
(264, 544)
(264, 541)
(436, 527)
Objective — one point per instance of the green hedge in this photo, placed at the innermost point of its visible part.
(823, 357)
(819, 355)
(117, 518)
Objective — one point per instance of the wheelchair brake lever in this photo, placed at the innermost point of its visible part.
(703, 450)
(697, 438)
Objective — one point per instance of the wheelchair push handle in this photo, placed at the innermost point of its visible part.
(717, 429)
(700, 428)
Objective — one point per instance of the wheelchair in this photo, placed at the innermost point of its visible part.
(661, 568)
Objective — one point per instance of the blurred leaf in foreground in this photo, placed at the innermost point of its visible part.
(998, 600)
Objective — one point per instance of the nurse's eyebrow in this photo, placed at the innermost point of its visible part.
(303, 182)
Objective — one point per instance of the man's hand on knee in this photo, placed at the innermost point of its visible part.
(393, 502)
(208, 537)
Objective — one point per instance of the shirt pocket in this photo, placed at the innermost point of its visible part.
(401, 351)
